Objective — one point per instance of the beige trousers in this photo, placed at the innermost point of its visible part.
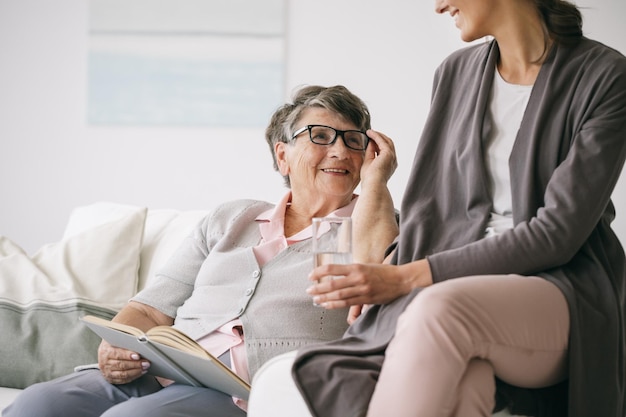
(456, 335)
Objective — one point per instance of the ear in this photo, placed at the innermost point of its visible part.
(280, 150)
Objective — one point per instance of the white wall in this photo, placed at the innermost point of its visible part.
(51, 161)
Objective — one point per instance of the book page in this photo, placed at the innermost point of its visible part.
(170, 336)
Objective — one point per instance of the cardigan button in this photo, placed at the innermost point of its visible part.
(256, 274)
(249, 291)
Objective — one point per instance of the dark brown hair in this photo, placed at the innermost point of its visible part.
(563, 20)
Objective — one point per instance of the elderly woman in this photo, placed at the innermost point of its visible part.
(238, 284)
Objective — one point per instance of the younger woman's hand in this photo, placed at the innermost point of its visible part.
(365, 283)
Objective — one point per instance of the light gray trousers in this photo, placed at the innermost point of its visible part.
(456, 335)
(88, 394)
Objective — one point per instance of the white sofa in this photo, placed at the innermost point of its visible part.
(112, 247)
(108, 251)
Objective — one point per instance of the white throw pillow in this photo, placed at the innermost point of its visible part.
(92, 271)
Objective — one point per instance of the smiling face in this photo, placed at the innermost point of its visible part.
(472, 17)
(326, 174)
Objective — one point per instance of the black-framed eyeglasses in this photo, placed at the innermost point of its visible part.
(326, 135)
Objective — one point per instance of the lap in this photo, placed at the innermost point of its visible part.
(501, 292)
(519, 324)
(178, 400)
(87, 393)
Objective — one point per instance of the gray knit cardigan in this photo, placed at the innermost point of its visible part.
(214, 278)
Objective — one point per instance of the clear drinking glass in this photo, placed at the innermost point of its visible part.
(332, 241)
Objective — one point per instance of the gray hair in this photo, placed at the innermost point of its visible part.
(337, 99)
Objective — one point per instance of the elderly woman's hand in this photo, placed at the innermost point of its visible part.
(366, 283)
(380, 158)
(120, 366)
(355, 312)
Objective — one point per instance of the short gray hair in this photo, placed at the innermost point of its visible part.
(337, 99)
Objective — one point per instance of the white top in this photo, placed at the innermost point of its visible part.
(507, 104)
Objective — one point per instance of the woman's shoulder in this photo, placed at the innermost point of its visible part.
(593, 67)
(232, 213)
(240, 207)
(592, 54)
(244, 203)
(598, 48)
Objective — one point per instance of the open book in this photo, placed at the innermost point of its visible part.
(172, 355)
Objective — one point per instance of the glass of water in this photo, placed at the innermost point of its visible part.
(332, 241)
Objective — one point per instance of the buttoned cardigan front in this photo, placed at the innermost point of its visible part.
(214, 277)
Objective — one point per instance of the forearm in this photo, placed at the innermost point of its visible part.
(142, 316)
(374, 223)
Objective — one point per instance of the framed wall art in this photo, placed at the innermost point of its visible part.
(185, 62)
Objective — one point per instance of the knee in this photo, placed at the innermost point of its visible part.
(437, 303)
(443, 316)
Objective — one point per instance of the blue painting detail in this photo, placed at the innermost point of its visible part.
(148, 90)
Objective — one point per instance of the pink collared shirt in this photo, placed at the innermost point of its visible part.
(230, 336)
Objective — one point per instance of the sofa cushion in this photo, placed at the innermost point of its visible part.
(164, 231)
(93, 270)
